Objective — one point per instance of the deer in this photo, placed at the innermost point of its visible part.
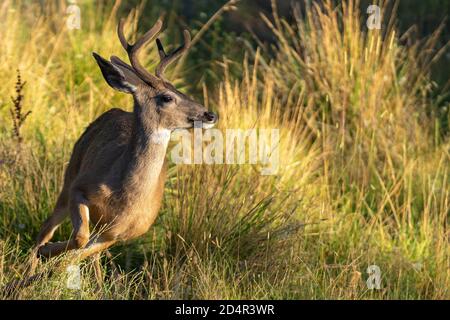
(117, 170)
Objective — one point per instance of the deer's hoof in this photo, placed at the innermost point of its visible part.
(44, 251)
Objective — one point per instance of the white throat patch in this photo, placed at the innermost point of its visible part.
(161, 136)
(208, 125)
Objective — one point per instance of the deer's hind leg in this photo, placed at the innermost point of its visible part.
(51, 224)
(48, 229)
(93, 249)
(79, 213)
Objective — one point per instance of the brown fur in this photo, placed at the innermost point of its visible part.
(116, 174)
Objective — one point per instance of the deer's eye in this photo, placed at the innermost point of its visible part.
(166, 98)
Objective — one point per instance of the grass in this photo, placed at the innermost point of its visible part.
(363, 176)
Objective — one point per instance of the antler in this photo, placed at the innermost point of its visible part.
(133, 49)
(166, 59)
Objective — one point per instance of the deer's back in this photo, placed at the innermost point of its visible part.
(96, 159)
(101, 144)
(95, 168)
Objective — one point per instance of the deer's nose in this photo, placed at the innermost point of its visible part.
(210, 117)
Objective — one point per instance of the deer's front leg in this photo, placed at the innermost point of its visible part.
(79, 213)
(97, 269)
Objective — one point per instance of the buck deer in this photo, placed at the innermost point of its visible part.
(116, 174)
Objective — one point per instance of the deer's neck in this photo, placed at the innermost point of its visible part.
(146, 152)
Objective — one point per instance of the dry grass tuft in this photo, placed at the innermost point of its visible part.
(363, 176)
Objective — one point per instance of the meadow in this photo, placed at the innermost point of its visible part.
(364, 157)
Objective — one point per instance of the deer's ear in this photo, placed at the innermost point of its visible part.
(120, 77)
